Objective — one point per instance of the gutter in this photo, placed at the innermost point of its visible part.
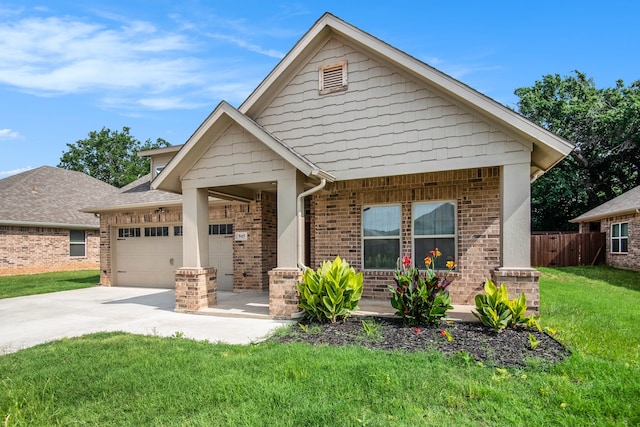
(300, 217)
(49, 225)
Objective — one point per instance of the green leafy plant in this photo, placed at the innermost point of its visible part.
(331, 293)
(495, 310)
(533, 341)
(421, 299)
(371, 328)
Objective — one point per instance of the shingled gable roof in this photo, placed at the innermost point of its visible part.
(51, 197)
(626, 203)
(218, 121)
(548, 149)
(135, 195)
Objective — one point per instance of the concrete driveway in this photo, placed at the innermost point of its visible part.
(32, 320)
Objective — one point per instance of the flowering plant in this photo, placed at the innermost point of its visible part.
(421, 299)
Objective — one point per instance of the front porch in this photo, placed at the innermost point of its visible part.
(255, 305)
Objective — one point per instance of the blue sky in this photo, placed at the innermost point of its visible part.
(160, 67)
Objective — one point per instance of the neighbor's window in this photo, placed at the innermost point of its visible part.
(380, 237)
(77, 243)
(434, 226)
(177, 230)
(156, 231)
(620, 238)
(332, 77)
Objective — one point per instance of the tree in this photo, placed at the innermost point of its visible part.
(603, 124)
(110, 156)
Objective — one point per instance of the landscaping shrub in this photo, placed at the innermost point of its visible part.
(495, 310)
(331, 293)
(421, 299)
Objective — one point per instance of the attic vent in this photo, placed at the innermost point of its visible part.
(333, 77)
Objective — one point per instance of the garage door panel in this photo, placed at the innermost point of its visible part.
(147, 261)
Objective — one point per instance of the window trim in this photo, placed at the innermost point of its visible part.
(363, 237)
(435, 236)
(323, 89)
(619, 238)
(83, 244)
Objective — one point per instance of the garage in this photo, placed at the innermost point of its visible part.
(148, 256)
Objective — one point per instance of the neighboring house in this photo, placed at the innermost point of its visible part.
(41, 227)
(349, 147)
(619, 219)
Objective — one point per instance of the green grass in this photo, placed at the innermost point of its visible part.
(33, 284)
(120, 379)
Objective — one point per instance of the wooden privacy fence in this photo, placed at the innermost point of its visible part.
(567, 249)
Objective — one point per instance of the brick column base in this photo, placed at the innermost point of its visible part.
(518, 281)
(195, 289)
(283, 295)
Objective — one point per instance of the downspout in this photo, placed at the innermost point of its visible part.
(300, 216)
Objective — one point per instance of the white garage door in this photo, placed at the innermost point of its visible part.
(221, 254)
(149, 256)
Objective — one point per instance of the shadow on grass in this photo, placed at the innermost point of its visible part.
(627, 279)
(89, 280)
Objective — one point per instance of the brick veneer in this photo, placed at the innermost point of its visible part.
(520, 282)
(283, 293)
(195, 289)
(28, 250)
(252, 259)
(630, 260)
(337, 212)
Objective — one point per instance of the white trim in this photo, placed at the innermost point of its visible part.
(620, 238)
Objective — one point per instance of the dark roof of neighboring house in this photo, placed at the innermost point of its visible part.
(625, 203)
(50, 197)
(137, 194)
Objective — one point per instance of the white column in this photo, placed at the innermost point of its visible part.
(516, 216)
(195, 237)
(289, 187)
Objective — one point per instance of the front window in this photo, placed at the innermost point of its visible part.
(620, 238)
(77, 243)
(434, 226)
(381, 237)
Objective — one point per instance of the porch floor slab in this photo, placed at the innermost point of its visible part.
(255, 305)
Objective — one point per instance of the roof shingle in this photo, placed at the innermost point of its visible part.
(51, 196)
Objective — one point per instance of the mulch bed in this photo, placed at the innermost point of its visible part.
(510, 348)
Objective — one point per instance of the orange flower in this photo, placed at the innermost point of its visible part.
(427, 261)
(451, 264)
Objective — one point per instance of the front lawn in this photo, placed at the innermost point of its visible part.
(33, 284)
(120, 379)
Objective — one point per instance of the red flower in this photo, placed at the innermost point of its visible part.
(417, 330)
(443, 333)
(406, 261)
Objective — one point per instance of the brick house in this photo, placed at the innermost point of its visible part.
(41, 228)
(619, 219)
(349, 147)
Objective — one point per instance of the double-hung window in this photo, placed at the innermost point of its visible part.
(380, 237)
(620, 238)
(434, 226)
(77, 243)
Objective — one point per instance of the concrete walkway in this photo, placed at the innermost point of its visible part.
(31, 320)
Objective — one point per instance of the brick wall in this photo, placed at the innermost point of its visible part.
(630, 260)
(336, 223)
(28, 250)
(252, 259)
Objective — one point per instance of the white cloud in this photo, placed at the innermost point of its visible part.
(4, 174)
(63, 55)
(247, 45)
(8, 134)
